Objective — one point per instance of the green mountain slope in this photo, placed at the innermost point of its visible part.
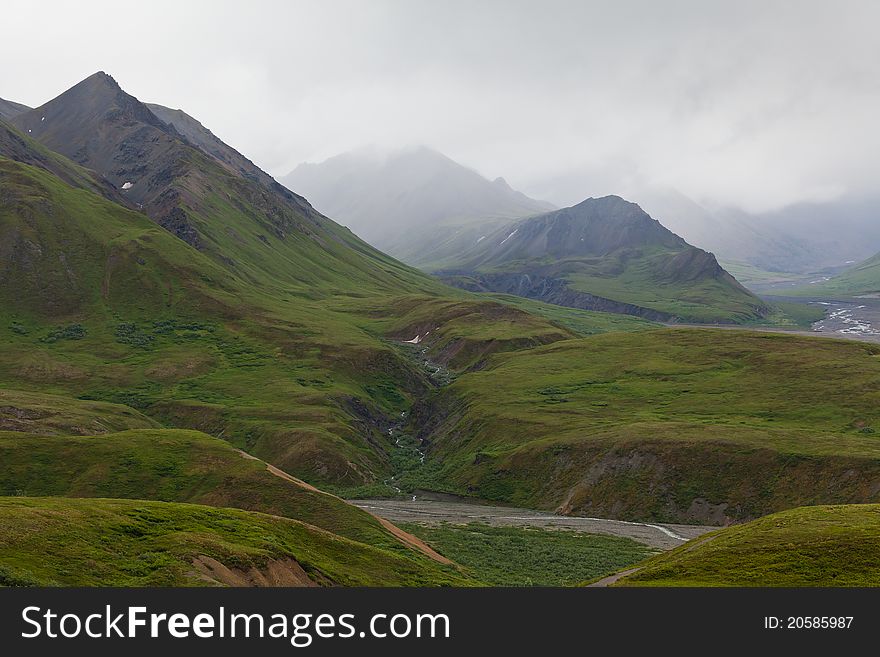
(16, 146)
(682, 425)
(810, 546)
(53, 415)
(99, 302)
(77, 542)
(605, 254)
(174, 465)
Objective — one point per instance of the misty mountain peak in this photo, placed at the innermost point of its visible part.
(398, 202)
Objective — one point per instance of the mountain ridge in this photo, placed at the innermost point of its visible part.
(9, 108)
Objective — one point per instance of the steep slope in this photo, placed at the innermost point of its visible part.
(16, 146)
(82, 542)
(673, 425)
(416, 204)
(810, 546)
(8, 109)
(605, 254)
(198, 135)
(65, 251)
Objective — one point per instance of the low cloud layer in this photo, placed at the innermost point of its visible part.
(752, 104)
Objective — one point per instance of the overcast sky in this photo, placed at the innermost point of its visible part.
(755, 104)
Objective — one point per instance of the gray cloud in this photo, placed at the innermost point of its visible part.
(757, 104)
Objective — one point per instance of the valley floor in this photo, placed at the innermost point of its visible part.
(431, 512)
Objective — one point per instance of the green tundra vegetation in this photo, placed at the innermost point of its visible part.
(173, 465)
(527, 556)
(810, 546)
(113, 308)
(681, 425)
(99, 542)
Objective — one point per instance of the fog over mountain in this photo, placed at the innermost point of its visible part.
(753, 105)
(410, 202)
(804, 237)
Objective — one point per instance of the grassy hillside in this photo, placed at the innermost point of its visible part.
(675, 425)
(43, 414)
(100, 303)
(77, 542)
(810, 546)
(580, 322)
(174, 465)
(66, 251)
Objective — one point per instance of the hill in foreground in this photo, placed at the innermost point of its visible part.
(101, 542)
(809, 546)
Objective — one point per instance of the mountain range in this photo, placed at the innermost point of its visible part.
(802, 238)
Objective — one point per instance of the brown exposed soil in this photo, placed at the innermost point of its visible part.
(611, 579)
(277, 572)
(413, 542)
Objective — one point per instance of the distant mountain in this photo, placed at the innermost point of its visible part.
(605, 254)
(8, 109)
(416, 204)
(801, 238)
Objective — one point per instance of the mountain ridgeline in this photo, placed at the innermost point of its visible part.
(605, 254)
(8, 109)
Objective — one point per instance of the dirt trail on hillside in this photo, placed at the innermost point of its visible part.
(658, 536)
(412, 542)
(611, 579)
